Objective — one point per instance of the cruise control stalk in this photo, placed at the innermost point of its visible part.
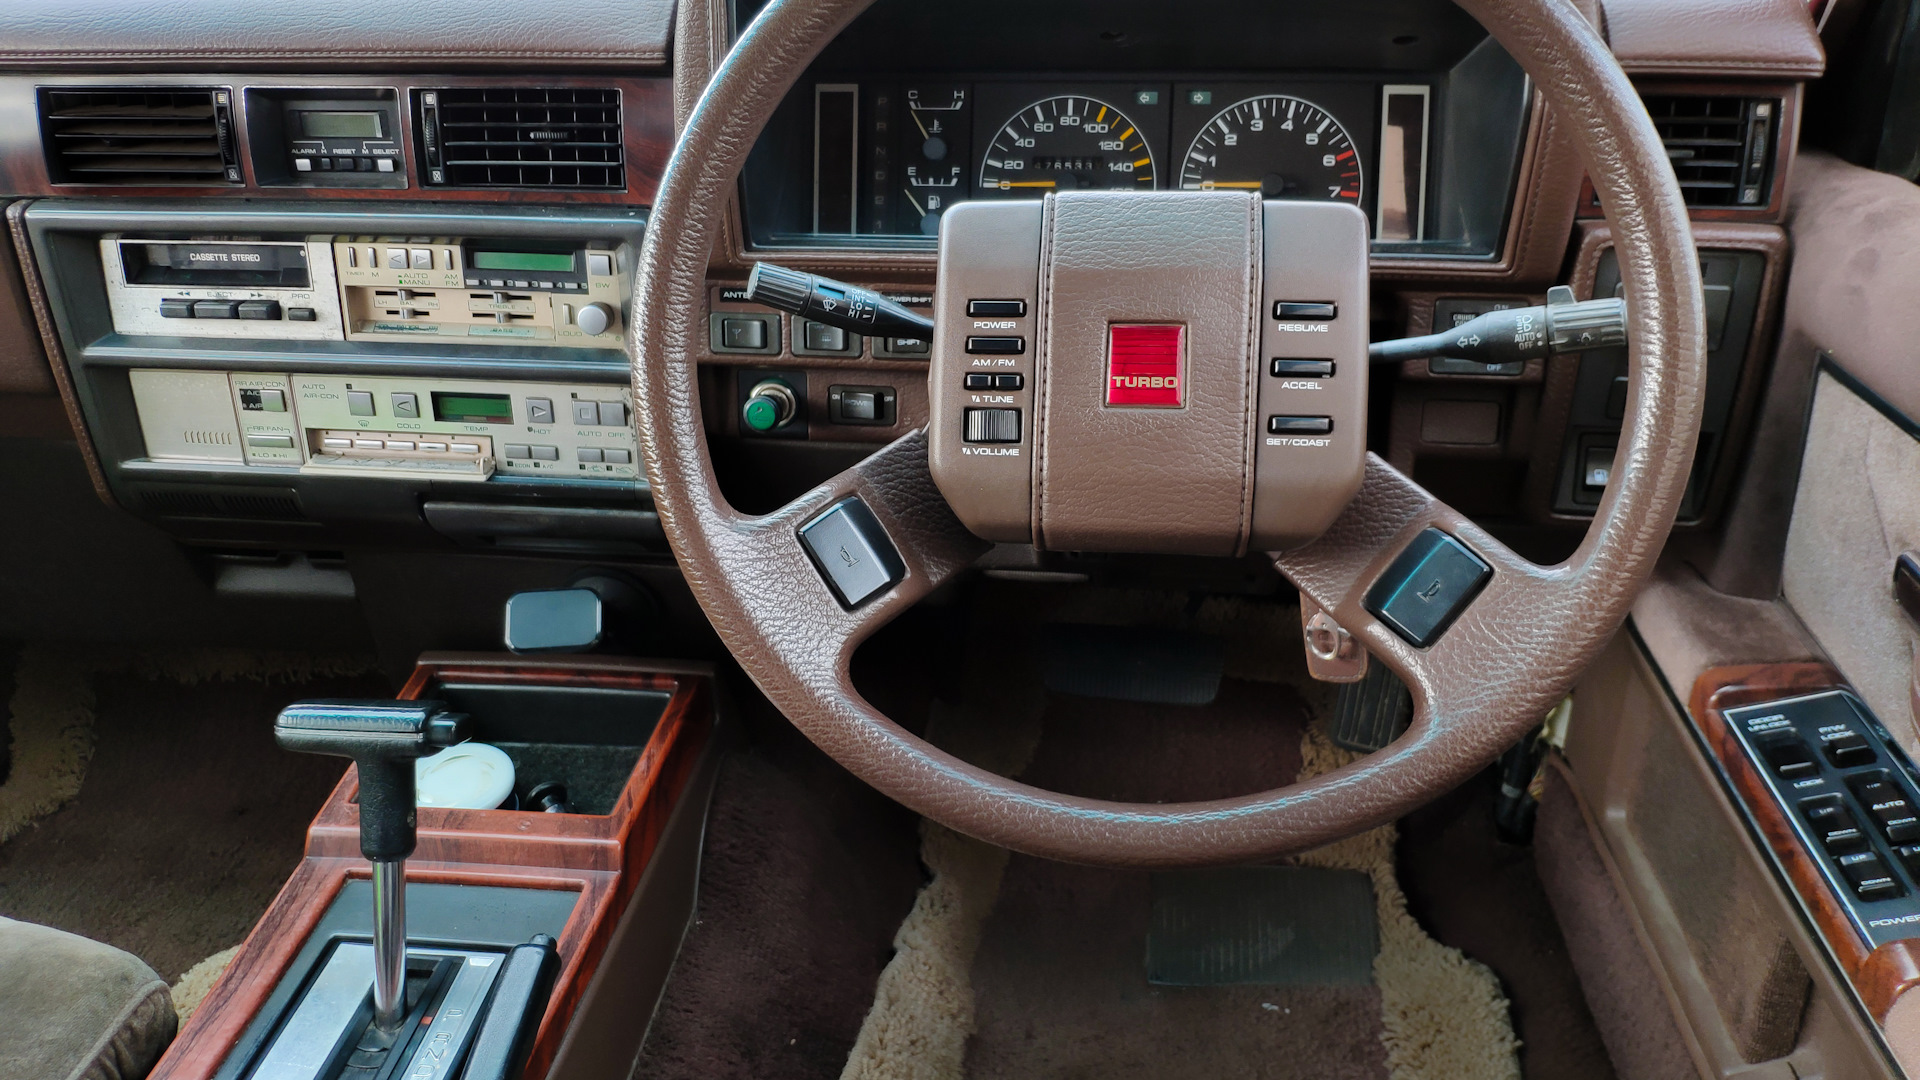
(835, 303)
(1564, 325)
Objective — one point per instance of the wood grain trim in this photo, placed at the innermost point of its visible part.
(601, 857)
(646, 117)
(1878, 975)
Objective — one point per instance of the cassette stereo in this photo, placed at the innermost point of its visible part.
(369, 288)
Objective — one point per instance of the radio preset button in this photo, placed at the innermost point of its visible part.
(546, 453)
(539, 410)
(369, 444)
(336, 444)
(406, 405)
(399, 444)
(360, 402)
(434, 447)
(466, 448)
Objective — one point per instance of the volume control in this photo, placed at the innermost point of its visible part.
(594, 319)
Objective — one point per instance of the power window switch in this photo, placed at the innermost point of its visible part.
(1833, 825)
(1870, 878)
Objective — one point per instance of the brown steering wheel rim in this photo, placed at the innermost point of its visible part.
(1509, 658)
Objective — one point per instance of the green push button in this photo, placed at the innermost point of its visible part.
(762, 414)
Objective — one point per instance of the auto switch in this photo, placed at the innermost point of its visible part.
(1833, 825)
(1889, 807)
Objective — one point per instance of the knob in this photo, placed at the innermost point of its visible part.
(770, 404)
(594, 319)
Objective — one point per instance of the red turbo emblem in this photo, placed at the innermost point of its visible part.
(1144, 365)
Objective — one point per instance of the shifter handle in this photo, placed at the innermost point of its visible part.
(383, 738)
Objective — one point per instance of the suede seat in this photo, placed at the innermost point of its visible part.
(74, 1009)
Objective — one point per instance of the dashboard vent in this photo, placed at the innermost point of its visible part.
(523, 137)
(139, 136)
(1721, 147)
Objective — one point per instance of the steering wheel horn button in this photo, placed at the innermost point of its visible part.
(1144, 365)
(852, 552)
(1427, 587)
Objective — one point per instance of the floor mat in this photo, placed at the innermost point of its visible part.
(1262, 926)
(187, 817)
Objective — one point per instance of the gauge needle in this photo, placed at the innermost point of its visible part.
(1026, 183)
(915, 113)
(1233, 183)
(908, 192)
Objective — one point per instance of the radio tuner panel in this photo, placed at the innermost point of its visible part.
(390, 427)
(369, 288)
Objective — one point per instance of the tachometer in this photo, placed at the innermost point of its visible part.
(1065, 143)
(1281, 146)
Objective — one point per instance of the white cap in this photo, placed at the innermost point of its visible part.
(470, 776)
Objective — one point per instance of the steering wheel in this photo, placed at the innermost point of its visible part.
(1510, 656)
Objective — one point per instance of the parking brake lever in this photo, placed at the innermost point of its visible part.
(383, 738)
(835, 303)
(1564, 325)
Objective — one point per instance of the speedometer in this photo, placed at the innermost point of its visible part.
(1065, 143)
(1281, 146)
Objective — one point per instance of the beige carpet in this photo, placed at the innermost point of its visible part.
(1061, 992)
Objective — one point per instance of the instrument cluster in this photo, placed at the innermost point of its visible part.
(890, 158)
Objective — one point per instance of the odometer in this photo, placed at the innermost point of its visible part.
(1281, 146)
(1066, 143)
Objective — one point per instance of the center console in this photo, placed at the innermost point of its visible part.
(590, 859)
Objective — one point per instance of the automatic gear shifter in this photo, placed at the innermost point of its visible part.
(383, 738)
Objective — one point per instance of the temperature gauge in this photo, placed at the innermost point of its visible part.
(935, 155)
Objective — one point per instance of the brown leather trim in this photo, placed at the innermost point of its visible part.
(23, 363)
(50, 340)
(1509, 658)
(1755, 38)
(59, 33)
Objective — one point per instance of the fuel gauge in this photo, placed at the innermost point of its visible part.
(934, 155)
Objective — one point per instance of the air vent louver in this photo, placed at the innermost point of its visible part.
(527, 137)
(139, 136)
(1721, 147)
